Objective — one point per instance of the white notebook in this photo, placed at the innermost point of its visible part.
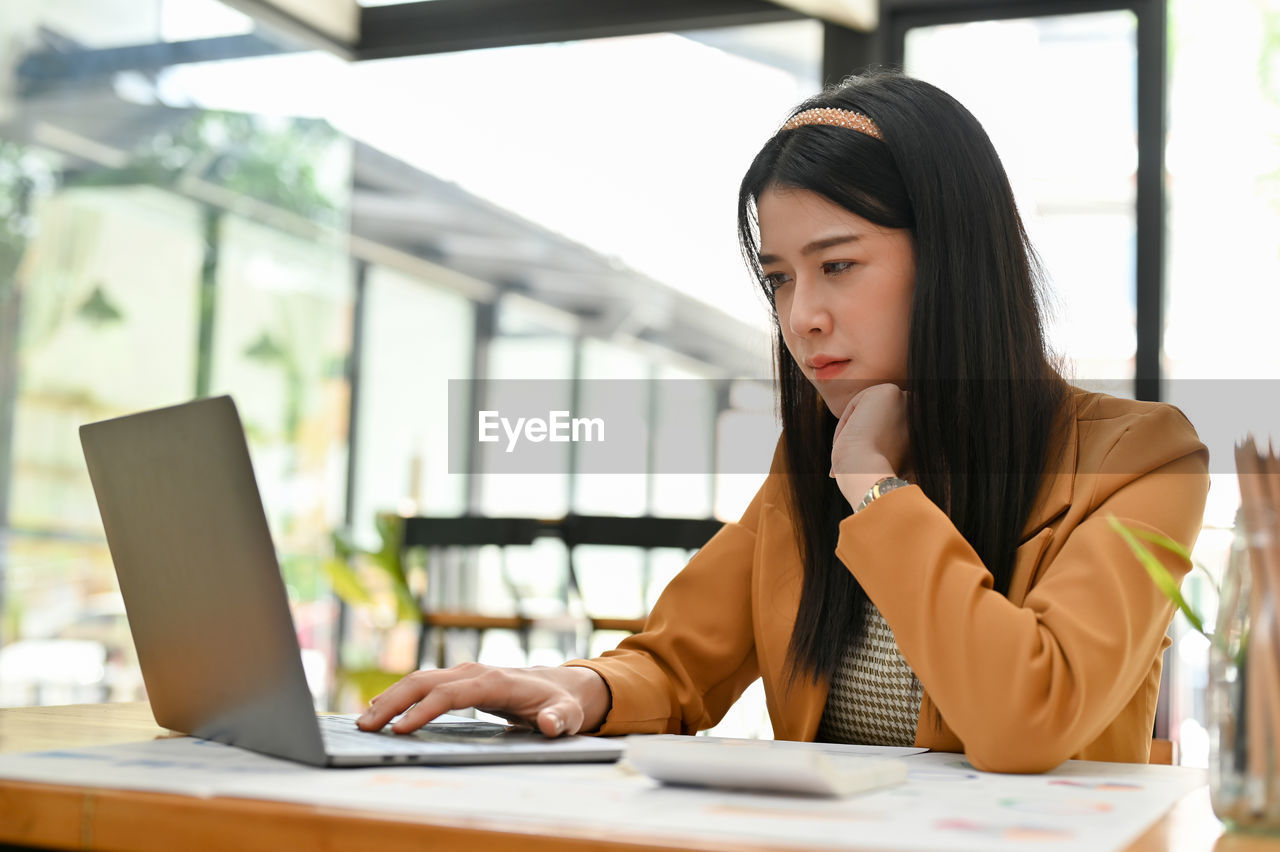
(766, 765)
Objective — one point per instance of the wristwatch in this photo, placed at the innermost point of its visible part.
(881, 488)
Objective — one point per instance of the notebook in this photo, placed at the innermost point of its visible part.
(208, 611)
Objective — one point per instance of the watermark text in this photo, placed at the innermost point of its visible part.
(558, 427)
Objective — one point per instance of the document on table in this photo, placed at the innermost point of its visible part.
(945, 804)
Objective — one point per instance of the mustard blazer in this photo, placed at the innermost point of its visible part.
(1068, 665)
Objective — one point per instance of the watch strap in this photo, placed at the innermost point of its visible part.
(879, 489)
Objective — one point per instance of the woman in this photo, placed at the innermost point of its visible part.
(929, 560)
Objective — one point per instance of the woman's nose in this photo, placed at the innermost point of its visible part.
(809, 313)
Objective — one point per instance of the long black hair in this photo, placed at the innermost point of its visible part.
(984, 400)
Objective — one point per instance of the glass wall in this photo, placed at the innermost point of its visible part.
(91, 319)
(239, 225)
(1066, 129)
(203, 228)
(1220, 359)
(152, 251)
(416, 338)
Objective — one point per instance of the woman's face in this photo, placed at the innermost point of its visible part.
(842, 286)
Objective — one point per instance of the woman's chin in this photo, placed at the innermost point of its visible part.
(836, 393)
(836, 405)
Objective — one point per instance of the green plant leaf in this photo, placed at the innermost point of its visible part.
(1157, 538)
(1174, 547)
(407, 608)
(389, 557)
(367, 682)
(390, 534)
(1164, 581)
(343, 546)
(346, 582)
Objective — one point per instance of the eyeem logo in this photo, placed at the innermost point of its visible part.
(559, 428)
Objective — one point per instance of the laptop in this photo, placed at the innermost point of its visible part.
(208, 611)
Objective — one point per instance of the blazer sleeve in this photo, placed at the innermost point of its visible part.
(1025, 687)
(696, 653)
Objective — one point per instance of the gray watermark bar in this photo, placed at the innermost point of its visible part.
(603, 426)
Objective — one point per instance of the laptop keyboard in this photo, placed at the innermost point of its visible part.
(341, 736)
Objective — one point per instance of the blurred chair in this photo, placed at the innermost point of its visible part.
(441, 536)
(1162, 752)
(645, 532)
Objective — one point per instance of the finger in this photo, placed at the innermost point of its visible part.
(560, 717)
(390, 702)
(486, 689)
(550, 722)
(404, 693)
(850, 406)
(848, 412)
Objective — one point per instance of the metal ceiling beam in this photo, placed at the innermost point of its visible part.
(899, 15)
(443, 26)
(45, 69)
(422, 27)
(856, 14)
(332, 25)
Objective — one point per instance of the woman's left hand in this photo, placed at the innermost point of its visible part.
(871, 440)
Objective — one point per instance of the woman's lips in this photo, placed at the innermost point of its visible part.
(830, 370)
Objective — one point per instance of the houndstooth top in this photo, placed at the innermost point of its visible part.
(874, 697)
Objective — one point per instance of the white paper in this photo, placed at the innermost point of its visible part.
(944, 805)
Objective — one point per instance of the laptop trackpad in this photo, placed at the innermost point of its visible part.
(342, 730)
(451, 728)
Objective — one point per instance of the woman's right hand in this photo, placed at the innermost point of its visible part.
(555, 701)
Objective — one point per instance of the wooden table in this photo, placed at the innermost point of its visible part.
(76, 817)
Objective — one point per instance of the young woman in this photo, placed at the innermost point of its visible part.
(929, 561)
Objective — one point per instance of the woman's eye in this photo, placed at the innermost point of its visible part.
(835, 267)
(774, 280)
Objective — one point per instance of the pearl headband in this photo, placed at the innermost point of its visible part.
(836, 118)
